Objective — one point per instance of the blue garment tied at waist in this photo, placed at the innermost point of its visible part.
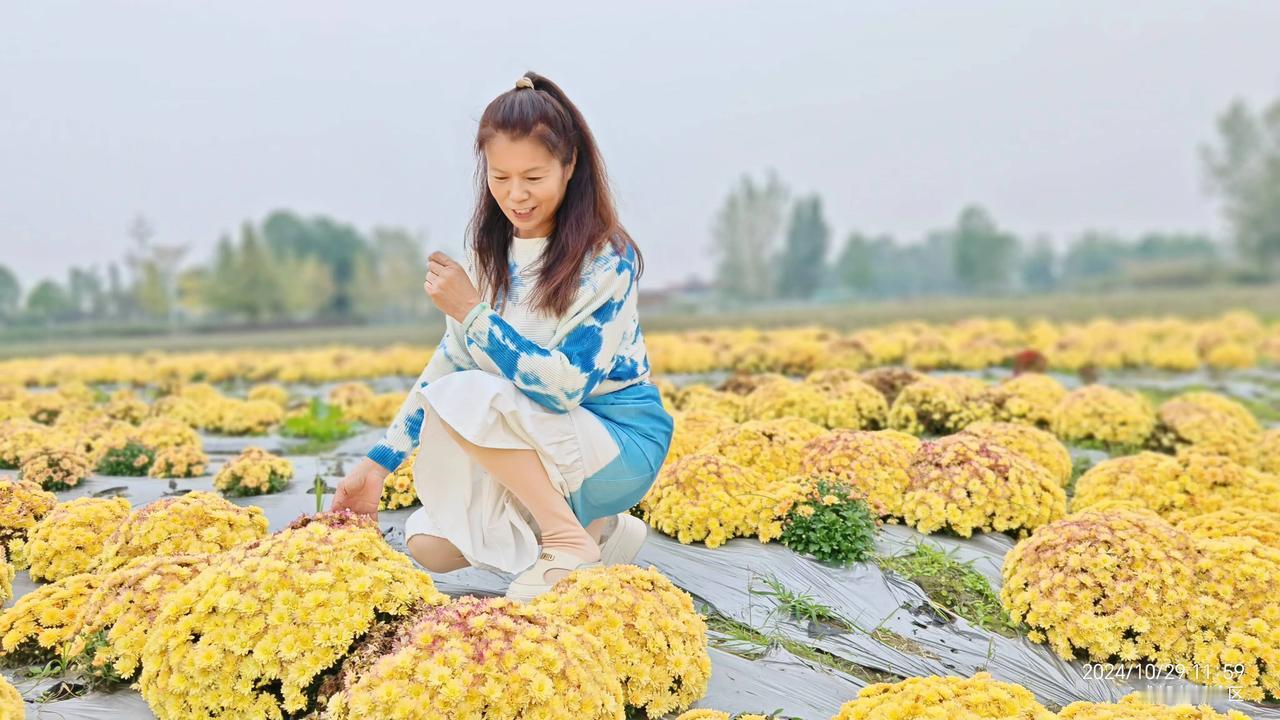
(642, 428)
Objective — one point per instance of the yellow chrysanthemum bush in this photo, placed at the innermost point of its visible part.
(1269, 451)
(22, 504)
(254, 633)
(1192, 483)
(930, 351)
(889, 381)
(1197, 595)
(163, 433)
(1034, 444)
(710, 499)
(1104, 415)
(845, 354)
(378, 410)
(731, 406)
(111, 630)
(100, 436)
(1239, 642)
(177, 407)
(654, 639)
(934, 697)
(124, 404)
(253, 472)
(1235, 522)
(68, 540)
(1109, 584)
(772, 448)
(190, 524)
(1026, 398)
(349, 397)
(271, 392)
(788, 398)
(1210, 423)
(398, 490)
(1220, 403)
(10, 410)
(667, 390)
(1143, 480)
(45, 407)
(692, 429)
(56, 468)
(231, 416)
(1133, 707)
(7, 573)
(964, 483)
(11, 704)
(18, 437)
(874, 464)
(790, 351)
(855, 404)
(182, 461)
(39, 625)
(485, 658)
(939, 405)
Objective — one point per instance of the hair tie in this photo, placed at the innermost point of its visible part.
(524, 82)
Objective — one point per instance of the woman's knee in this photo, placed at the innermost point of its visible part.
(436, 554)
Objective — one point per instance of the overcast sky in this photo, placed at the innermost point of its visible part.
(1055, 116)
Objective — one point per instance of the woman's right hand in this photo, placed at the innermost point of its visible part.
(361, 490)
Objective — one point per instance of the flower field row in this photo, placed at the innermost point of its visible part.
(981, 697)
(207, 615)
(193, 603)
(920, 404)
(1168, 556)
(1234, 340)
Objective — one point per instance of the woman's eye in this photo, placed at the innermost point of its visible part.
(499, 179)
(534, 179)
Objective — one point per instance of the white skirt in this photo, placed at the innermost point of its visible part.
(460, 501)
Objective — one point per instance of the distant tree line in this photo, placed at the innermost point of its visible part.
(768, 247)
(287, 269)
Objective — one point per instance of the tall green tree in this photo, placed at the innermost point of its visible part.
(120, 302)
(984, 255)
(84, 287)
(1244, 169)
(855, 265)
(49, 301)
(220, 291)
(744, 235)
(260, 294)
(1093, 255)
(338, 246)
(155, 268)
(10, 293)
(1039, 266)
(305, 285)
(389, 278)
(802, 264)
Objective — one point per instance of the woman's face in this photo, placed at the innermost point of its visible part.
(527, 181)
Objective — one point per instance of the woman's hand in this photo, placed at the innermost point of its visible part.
(449, 287)
(361, 490)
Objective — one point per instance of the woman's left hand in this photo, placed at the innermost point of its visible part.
(449, 287)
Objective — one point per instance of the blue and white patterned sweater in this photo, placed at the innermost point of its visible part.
(597, 348)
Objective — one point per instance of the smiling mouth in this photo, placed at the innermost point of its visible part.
(524, 214)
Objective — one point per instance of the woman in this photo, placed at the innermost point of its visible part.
(535, 419)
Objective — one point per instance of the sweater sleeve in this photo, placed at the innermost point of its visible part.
(401, 436)
(560, 377)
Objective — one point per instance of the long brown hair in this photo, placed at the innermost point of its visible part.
(586, 218)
